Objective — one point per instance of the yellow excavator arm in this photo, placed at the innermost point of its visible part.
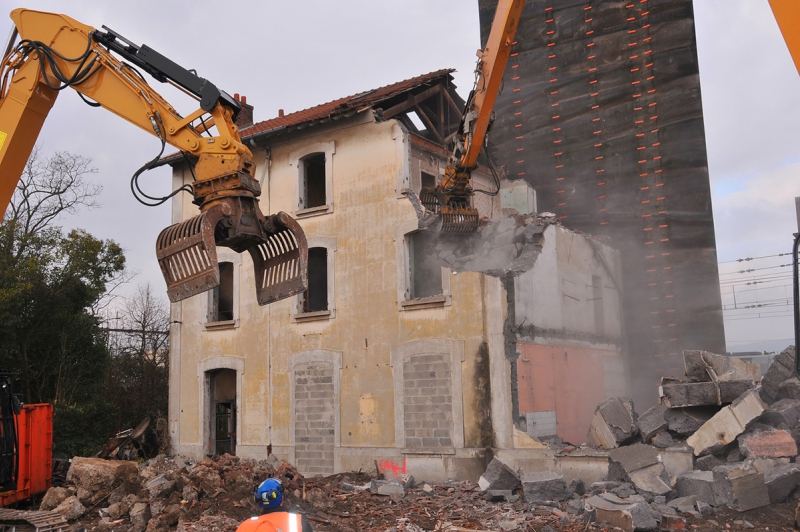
(787, 13)
(54, 52)
(455, 190)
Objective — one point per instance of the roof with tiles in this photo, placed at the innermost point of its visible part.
(343, 105)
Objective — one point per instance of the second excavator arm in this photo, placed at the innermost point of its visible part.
(55, 52)
(454, 193)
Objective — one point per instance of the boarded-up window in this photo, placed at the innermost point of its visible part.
(313, 181)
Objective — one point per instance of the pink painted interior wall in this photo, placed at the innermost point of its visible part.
(569, 380)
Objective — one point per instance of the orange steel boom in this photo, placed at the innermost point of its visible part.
(455, 190)
(787, 13)
(56, 51)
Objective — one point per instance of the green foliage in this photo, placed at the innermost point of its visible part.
(81, 429)
(48, 331)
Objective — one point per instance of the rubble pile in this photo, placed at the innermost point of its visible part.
(717, 440)
(697, 461)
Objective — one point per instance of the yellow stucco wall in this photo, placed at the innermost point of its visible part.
(368, 322)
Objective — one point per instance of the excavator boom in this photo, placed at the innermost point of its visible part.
(458, 216)
(55, 52)
(787, 13)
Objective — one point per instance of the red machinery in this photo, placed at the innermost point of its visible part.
(26, 446)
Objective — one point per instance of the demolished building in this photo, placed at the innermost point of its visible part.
(601, 113)
(410, 350)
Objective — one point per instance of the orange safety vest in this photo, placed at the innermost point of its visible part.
(273, 522)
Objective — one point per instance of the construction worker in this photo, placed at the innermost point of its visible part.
(269, 497)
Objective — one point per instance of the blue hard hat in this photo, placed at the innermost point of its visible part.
(269, 494)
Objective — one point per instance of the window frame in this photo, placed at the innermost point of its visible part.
(298, 316)
(404, 289)
(296, 160)
(225, 255)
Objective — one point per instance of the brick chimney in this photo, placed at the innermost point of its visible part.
(245, 118)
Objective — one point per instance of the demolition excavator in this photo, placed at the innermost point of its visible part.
(49, 52)
(453, 196)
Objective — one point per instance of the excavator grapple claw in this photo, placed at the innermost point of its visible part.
(459, 219)
(187, 255)
(281, 263)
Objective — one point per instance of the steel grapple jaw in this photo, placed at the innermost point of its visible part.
(187, 251)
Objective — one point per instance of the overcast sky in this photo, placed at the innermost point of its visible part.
(293, 55)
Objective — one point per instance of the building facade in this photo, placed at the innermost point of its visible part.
(401, 352)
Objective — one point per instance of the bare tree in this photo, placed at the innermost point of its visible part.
(48, 187)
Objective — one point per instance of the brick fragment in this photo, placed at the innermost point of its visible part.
(768, 444)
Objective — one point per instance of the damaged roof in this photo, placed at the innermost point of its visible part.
(335, 109)
(343, 106)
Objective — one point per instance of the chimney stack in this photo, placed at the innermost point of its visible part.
(280, 113)
(245, 118)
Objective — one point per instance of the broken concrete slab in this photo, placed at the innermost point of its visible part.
(704, 366)
(740, 487)
(727, 424)
(544, 486)
(663, 439)
(613, 423)
(498, 476)
(789, 389)
(677, 461)
(781, 481)
(768, 444)
(697, 483)
(685, 505)
(782, 368)
(629, 515)
(765, 465)
(70, 508)
(783, 414)
(678, 394)
(651, 422)
(94, 474)
(686, 421)
(643, 466)
(707, 462)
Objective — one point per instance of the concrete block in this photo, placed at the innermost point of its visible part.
(783, 414)
(697, 483)
(498, 476)
(740, 487)
(701, 364)
(613, 423)
(727, 424)
(677, 461)
(544, 486)
(767, 444)
(765, 465)
(781, 481)
(686, 421)
(662, 440)
(789, 389)
(643, 466)
(392, 490)
(676, 394)
(629, 515)
(707, 462)
(651, 422)
(685, 505)
(782, 368)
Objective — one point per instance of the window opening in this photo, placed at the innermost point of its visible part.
(224, 428)
(416, 120)
(425, 273)
(315, 298)
(313, 181)
(221, 307)
(426, 193)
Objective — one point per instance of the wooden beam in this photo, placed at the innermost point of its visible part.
(452, 103)
(410, 102)
(428, 123)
